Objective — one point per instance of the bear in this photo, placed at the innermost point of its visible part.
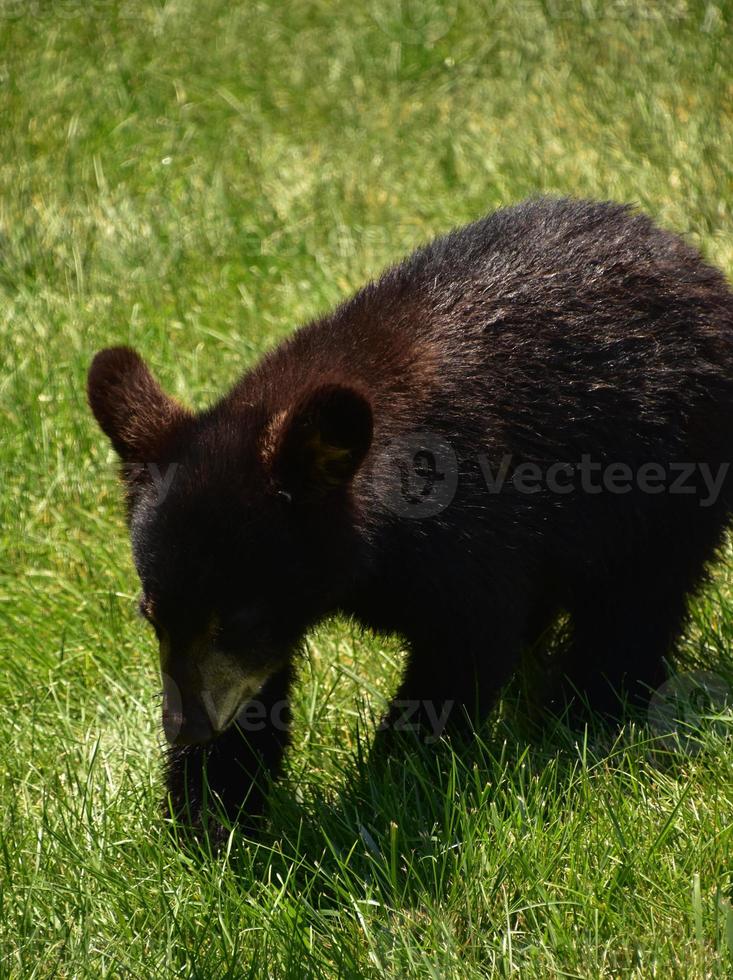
(529, 417)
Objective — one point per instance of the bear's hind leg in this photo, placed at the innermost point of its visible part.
(623, 629)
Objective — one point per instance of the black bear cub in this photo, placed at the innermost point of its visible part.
(531, 415)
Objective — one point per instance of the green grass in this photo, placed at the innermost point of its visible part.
(195, 178)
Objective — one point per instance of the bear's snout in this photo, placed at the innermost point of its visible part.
(183, 729)
(184, 723)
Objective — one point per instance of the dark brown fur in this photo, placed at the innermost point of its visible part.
(547, 332)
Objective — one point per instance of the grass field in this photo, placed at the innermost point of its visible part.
(196, 178)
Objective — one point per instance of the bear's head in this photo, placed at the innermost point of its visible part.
(243, 524)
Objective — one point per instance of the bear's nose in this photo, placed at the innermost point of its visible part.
(183, 729)
(185, 721)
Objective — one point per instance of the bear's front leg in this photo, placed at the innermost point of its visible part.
(224, 781)
(449, 689)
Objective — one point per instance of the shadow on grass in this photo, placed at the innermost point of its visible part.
(397, 831)
(399, 824)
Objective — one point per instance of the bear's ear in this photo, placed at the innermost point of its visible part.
(130, 406)
(321, 443)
